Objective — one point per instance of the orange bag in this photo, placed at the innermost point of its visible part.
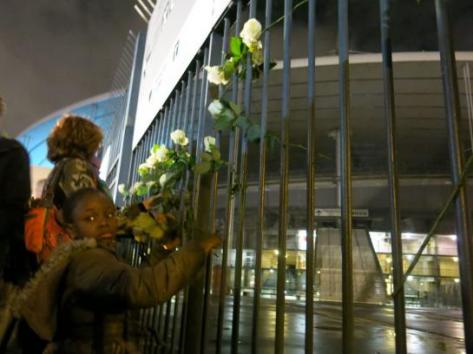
(43, 232)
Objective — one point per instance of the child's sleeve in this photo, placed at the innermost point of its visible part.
(98, 279)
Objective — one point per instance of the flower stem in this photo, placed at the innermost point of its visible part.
(299, 4)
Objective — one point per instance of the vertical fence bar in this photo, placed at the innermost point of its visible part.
(242, 199)
(154, 312)
(183, 111)
(393, 179)
(131, 172)
(309, 293)
(193, 323)
(224, 268)
(158, 127)
(148, 328)
(194, 104)
(262, 178)
(213, 211)
(137, 162)
(147, 144)
(140, 158)
(345, 177)
(199, 149)
(170, 119)
(174, 322)
(161, 125)
(142, 151)
(153, 133)
(186, 106)
(180, 111)
(203, 103)
(284, 180)
(159, 323)
(234, 144)
(174, 124)
(462, 213)
(167, 318)
(166, 120)
(182, 334)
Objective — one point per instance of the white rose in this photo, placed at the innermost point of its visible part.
(216, 107)
(164, 179)
(208, 142)
(179, 137)
(122, 189)
(143, 169)
(215, 75)
(251, 33)
(159, 155)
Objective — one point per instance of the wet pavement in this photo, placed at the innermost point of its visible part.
(429, 331)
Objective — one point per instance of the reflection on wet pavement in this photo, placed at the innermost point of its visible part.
(429, 331)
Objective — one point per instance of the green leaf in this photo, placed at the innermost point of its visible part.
(272, 65)
(235, 46)
(224, 120)
(242, 122)
(253, 133)
(235, 108)
(228, 114)
(271, 140)
(216, 153)
(202, 167)
(205, 156)
(142, 190)
(228, 69)
(222, 123)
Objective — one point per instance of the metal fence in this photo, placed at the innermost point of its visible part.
(198, 319)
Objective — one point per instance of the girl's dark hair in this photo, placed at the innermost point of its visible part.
(75, 198)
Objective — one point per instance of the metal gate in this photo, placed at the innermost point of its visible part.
(338, 135)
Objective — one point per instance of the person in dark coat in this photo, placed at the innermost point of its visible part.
(15, 192)
(80, 297)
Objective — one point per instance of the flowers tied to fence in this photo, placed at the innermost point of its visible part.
(226, 114)
(162, 179)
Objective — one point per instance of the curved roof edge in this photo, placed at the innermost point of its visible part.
(366, 58)
(71, 107)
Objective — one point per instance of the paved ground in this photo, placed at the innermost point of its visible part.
(429, 331)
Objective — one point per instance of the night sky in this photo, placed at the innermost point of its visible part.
(57, 52)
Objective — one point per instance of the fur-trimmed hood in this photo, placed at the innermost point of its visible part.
(38, 302)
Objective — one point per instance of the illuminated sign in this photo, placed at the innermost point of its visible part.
(357, 213)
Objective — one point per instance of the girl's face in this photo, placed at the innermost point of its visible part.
(94, 217)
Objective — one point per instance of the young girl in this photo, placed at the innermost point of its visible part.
(80, 297)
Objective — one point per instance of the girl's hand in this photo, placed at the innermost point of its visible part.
(210, 243)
